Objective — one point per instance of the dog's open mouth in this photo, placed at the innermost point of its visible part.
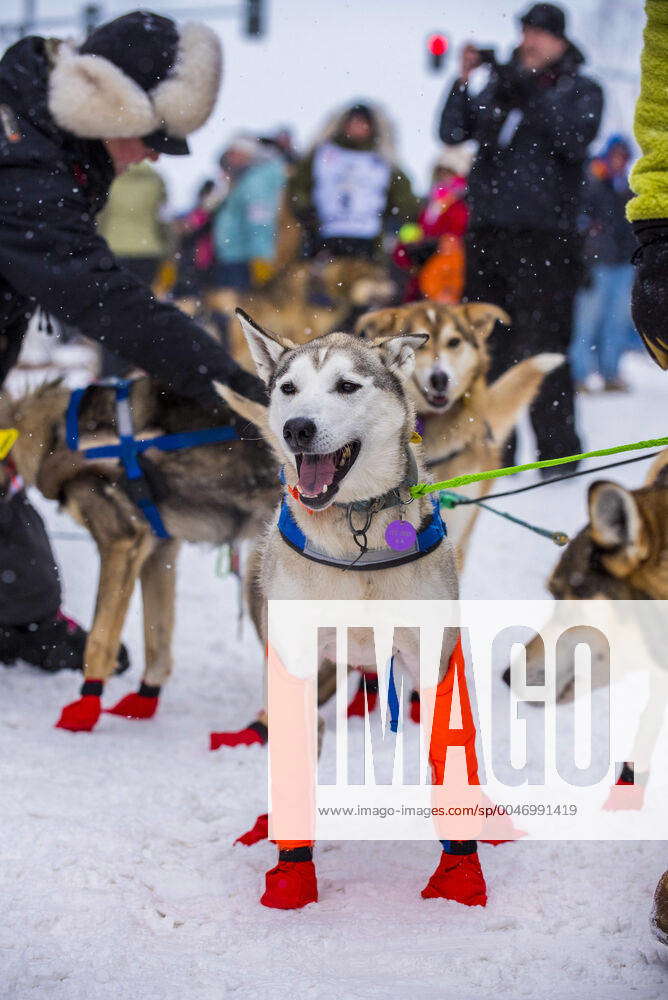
(437, 399)
(321, 475)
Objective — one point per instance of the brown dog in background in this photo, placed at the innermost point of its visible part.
(463, 420)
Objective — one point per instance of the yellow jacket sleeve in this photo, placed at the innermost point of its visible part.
(649, 177)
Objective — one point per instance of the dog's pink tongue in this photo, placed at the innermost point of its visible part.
(316, 472)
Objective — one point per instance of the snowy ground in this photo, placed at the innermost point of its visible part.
(120, 879)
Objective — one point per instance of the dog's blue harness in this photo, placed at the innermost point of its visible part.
(427, 539)
(129, 448)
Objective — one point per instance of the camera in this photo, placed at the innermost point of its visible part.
(487, 57)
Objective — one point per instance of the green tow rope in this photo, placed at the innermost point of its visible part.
(422, 489)
(450, 499)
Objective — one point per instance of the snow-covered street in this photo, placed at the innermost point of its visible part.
(120, 878)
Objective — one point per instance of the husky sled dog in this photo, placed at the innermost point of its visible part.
(463, 420)
(216, 493)
(341, 421)
(621, 555)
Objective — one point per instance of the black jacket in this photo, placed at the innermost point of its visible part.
(528, 175)
(608, 235)
(51, 256)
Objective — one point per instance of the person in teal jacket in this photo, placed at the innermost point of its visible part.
(244, 230)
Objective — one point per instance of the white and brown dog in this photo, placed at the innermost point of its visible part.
(341, 420)
(463, 420)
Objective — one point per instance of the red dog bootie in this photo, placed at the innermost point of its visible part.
(260, 831)
(458, 877)
(257, 732)
(367, 691)
(140, 705)
(290, 885)
(628, 792)
(415, 707)
(81, 716)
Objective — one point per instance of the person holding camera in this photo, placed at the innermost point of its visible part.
(533, 121)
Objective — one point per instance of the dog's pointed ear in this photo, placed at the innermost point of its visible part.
(266, 348)
(614, 516)
(398, 353)
(483, 316)
(374, 323)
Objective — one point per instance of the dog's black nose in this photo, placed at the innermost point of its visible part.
(298, 433)
(438, 380)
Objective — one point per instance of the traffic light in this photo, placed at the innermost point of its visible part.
(437, 48)
(92, 16)
(254, 18)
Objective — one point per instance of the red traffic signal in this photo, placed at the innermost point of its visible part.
(437, 47)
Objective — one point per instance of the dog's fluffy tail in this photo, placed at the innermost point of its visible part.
(515, 390)
(246, 408)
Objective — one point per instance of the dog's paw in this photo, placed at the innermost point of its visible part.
(548, 361)
(259, 831)
(459, 878)
(255, 733)
(135, 706)
(81, 716)
(290, 886)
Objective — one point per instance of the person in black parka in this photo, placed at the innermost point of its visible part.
(70, 120)
(533, 122)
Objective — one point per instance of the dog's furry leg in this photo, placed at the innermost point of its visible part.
(256, 731)
(120, 565)
(516, 389)
(158, 585)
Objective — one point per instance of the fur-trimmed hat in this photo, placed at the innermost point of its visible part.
(140, 76)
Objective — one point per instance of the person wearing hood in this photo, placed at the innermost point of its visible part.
(603, 306)
(348, 191)
(70, 120)
(533, 120)
(244, 228)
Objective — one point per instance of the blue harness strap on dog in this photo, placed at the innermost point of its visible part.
(427, 539)
(129, 448)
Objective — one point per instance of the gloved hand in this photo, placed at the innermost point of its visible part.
(513, 85)
(649, 299)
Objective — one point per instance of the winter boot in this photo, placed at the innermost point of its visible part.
(56, 643)
(659, 919)
(292, 884)
(458, 877)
